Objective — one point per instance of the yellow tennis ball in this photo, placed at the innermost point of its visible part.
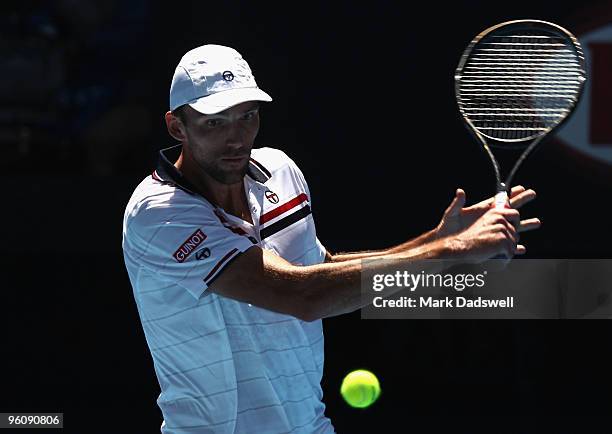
(360, 388)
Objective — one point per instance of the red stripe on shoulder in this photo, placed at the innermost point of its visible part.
(283, 208)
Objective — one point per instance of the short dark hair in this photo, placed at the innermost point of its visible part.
(181, 113)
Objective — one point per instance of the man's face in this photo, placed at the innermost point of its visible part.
(221, 144)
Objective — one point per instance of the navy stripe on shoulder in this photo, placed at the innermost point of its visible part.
(285, 222)
(261, 167)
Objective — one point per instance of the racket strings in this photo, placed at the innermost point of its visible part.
(518, 86)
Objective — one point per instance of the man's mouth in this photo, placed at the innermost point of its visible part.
(235, 160)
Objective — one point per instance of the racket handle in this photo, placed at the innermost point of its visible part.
(501, 201)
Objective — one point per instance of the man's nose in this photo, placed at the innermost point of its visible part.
(235, 137)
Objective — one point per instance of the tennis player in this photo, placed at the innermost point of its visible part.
(229, 278)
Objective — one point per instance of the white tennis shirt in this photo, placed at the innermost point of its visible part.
(224, 366)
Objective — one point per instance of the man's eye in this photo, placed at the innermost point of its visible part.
(213, 123)
(248, 116)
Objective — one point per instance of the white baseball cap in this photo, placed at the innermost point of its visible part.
(213, 78)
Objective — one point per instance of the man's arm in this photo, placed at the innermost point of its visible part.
(455, 219)
(266, 280)
(422, 239)
(312, 292)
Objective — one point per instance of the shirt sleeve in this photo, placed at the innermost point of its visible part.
(300, 175)
(184, 244)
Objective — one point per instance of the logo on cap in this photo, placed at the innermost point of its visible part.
(228, 76)
(272, 197)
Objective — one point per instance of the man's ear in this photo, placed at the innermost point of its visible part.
(175, 126)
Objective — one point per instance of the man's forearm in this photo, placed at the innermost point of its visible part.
(422, 239)
(427, 237)
(332, 289)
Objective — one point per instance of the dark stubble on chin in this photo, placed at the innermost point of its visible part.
(225, 176)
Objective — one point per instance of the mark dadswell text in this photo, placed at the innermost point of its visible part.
(446, 302)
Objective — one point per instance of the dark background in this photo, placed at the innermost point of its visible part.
(364, 102)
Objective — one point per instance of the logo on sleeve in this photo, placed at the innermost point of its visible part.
(189, 245)
(202, 253)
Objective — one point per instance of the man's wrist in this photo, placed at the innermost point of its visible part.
(453, 249)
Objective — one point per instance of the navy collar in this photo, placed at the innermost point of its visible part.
(166, 172)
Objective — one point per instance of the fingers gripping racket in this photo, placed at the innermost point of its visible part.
(515, 83)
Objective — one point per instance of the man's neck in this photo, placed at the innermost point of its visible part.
(230, 197)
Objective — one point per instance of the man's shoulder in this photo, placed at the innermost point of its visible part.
(154, 200)
(272, 159)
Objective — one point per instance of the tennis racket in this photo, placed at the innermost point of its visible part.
(515, 83)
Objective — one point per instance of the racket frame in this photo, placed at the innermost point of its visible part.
(501, 199)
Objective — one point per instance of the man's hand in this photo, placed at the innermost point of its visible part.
(456, 218)
(493, 234)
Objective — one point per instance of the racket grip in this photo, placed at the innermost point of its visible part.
(501, 201)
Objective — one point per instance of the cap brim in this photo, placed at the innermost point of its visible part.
(215, 103)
